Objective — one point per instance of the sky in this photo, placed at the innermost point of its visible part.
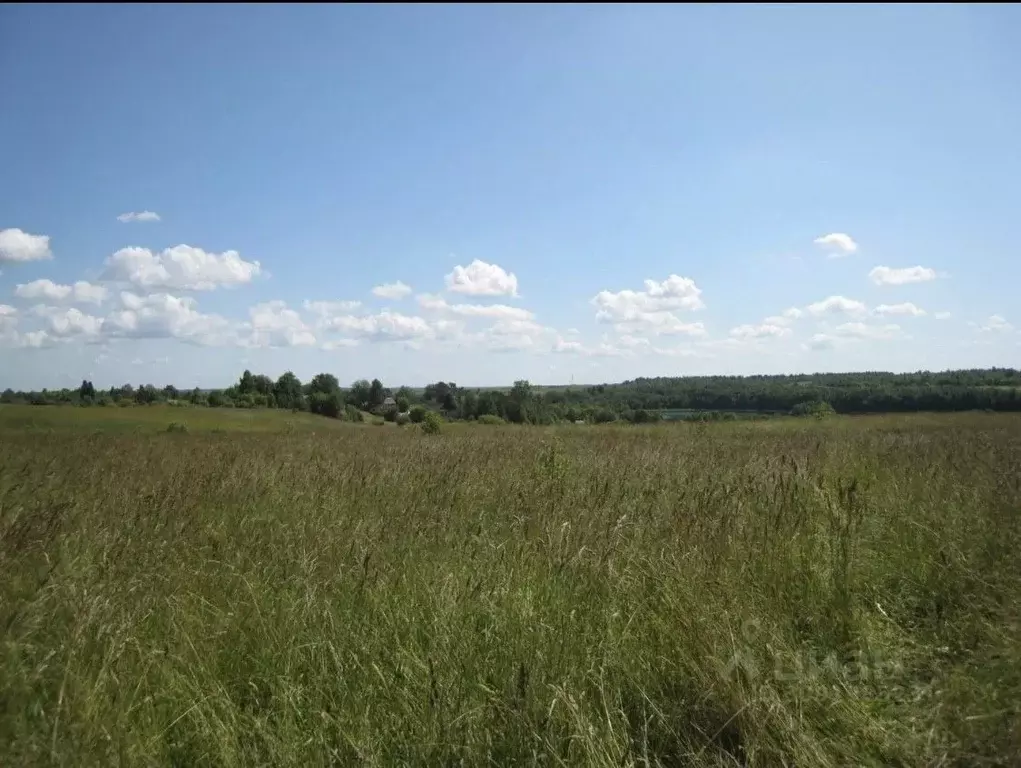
(480, 194)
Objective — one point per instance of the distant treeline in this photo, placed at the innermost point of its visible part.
(641, 400)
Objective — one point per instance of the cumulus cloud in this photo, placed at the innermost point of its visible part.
(273, 324)
(34, 339)
(384, 326)
(65, 323)
(19, 246)
(8, 316)
(837, 244)
(393, 291)
(80, 292)
(564, 346)
(764, 331)
(497, 311)
(820, 341)
(328, 308)
(837, 305)
(162, 315)
(901, 276)
(996, 324)
(482, 279)
(863, 331)
(9, 335)
(181, 267)
(140, 216)
(786, 317)
(651, 310)
(906, 309)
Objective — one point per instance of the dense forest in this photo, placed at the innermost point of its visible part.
(640, 400)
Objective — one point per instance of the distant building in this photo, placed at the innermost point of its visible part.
(389, 404)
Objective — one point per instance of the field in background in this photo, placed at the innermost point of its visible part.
(276, 588)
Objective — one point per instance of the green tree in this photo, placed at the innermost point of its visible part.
(402, 403)
(246, 385)
(325, 383)
(87, 392)
(263, 385)
(417, 414)
(326, 404)
(432, 424)
(147, 394)
(376, 394)
(287, 392)
(358, 395)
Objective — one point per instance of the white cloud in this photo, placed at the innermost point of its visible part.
(8, 317)
(907, 309)
(385, 326)
(141, 216)
(820, 341)
(273, 324)
(34, 339)
(835, 305)
(182, 267)
(651, 310)
(786, 317)
(759, 331)
(161, 315)
(659, 323)
(941, 315)
(837, 243)
(81, 292)
(19, 246)
(863, 331)
(482, 279)
(498, 311)
(892, 276)
(65, 323)
(392, 291)
(569, 347)
(328, 308)
(562, 345)
(996, 324)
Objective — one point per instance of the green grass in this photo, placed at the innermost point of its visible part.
(292, 591)
(51, 418)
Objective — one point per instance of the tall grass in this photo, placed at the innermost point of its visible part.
(828, 594)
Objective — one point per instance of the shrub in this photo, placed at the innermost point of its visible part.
(326, 404)
(352, 414)
(817, 408)
(417, 414)
(176, 426)
(432, 424)
(488, 418)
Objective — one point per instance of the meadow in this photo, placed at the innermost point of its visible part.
(268, 588)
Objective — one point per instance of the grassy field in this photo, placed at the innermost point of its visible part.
(277, 589)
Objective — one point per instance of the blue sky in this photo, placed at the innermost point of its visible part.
(587, 193)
